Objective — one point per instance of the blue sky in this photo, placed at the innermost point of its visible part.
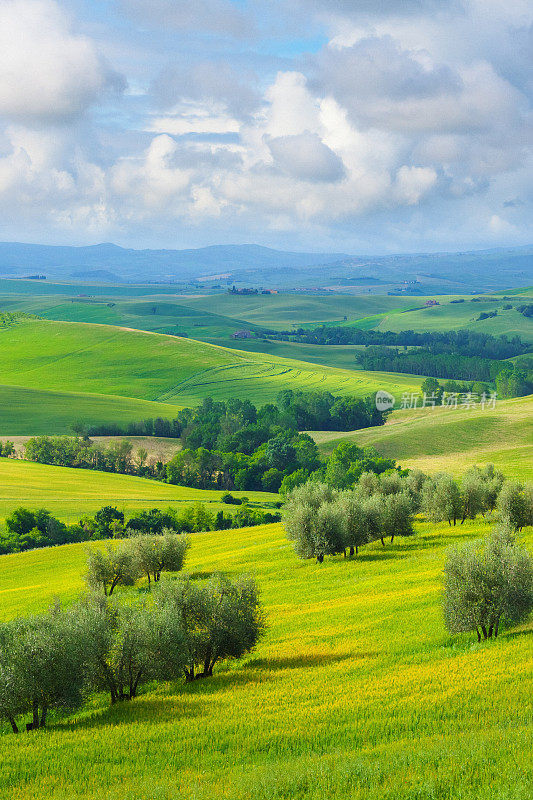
(346, 125)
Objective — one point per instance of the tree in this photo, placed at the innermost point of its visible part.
(114, 566)
(472, 495)
(396, 515)
(487, 583)
(129, 644)
(157, 554)
(515, 504)
(222, 619)
(355, 529)
(441, 499)
(108, 521)
(314, 522)
(42, 664)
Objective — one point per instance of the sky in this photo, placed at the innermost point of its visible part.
(357, 126)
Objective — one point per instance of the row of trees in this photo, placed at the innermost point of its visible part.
(279, 465)
(463, 342)
(424, 362)
(122, 564)
(322, 520)
(53, 661)
(28, 529)
(238, 425)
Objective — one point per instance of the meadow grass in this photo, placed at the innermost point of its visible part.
(70, 493)
(451, 439)
(448, 316)
(30, 411)
(357, 691)
(103, 359)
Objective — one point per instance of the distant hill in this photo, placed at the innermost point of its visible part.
(252, 265)
(17, 259)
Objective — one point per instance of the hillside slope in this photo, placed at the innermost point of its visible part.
(357, 691)
(71, 493)
(452, 439)
(102, 359)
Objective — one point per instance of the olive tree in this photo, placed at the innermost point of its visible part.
(441, 499)
(42, 667)
(130, 643)
(487, 583)
(221, 619)
(515, 504)
(161, 553)
(354, 521)
(396, 515)
(116, 565)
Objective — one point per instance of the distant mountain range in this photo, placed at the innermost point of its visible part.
(253, 265)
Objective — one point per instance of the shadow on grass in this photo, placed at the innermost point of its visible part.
(202, 575)
(302, 661)
(142, 709)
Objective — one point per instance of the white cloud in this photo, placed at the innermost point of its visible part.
(47, 73)
(306, 158)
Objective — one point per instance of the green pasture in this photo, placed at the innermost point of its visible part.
(69, 493)
(102, 359)
(357, 691)
(452, 439)
(29, 411)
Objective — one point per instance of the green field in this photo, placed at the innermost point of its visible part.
(454, 316)
(452, 439)
(101, 359)
(214, 317)
(25, 411)
(70, 493)
(356, 692)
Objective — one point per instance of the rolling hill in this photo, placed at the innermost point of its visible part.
(71, 493)
(106, 360)
(452, 440)
(357, 691)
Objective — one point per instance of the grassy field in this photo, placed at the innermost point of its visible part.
(102, 359)
(70, 493)
(29, 411)
(356, 692)
(454, 316)
(452, 439)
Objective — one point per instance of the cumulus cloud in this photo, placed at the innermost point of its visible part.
(409, 128)
(47, 72)
(306, 158)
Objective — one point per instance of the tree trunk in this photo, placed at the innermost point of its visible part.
(43, 715)
(382, 541)
(320, 558)
(478, 634)
(35, 710)
(392, 538)
(356, 550)
(14, 726)
(496, 625)
(484, 629)
(351, 551)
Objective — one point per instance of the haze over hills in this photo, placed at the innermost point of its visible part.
(254, 265)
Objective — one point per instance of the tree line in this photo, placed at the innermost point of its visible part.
(509, 379)
(424, 362)
(278, 464)
(323, 520)
(462, 342)
(239, 425)
(29, 529)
